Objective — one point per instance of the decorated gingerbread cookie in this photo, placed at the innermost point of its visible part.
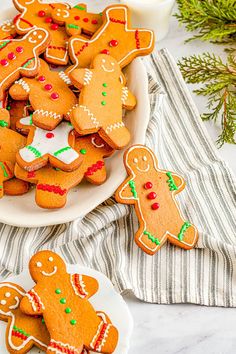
(103, 95)
(36, 13)
(115, 37)
(17, 110)
(52, 185)
(153, 191)
(4, 114)
(7, 30)
(62, 299)
(11, 142)
(77, 20)
(20, 57)
(16, 187)
(49, 95)
(23, 332)
(43, 146)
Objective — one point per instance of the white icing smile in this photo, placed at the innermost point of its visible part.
(50, 274)
(95, 144)
(31, 40)
(108, 70)
(13, 307)
(143, 169)
(60, 12)
(29, 2)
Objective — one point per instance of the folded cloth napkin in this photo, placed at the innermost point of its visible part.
(104, 238)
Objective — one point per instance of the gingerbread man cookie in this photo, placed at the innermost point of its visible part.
(45, 146)
(115, 37)
(77, 20)
(52, 185)
(49, 95)
(7, 30)
(10, 143)
(103, 95)
(23, 332)
(153, 191)
(20, 57)
(35, 13)
(62, 299)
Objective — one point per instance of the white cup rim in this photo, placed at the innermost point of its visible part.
(147, 2)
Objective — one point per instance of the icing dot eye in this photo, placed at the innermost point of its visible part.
(113, 64)
(144, 158)
(50, 259)
(35, 33)
(13, 26)
(7, 294)
(40, 36)
(39, 264)
(135, 160)
(3, 302)
(103, 60)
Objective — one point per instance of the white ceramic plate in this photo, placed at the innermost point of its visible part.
(106, 299)
(23, 212)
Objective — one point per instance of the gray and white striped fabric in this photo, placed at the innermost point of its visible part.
(104, 238)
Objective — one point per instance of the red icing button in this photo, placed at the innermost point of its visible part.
(105, 51)
(85, 19)
(49, 135)
(41, 78)
(94, 22)
(11, 56)
(54, 96)
(148, 185)
(48, 20)
(155, 206)
(19, 49)
(77, 18)
(48, 87)
(113, 43)
(41, 13)
(54, 26)
(4, 62)
(152, 195)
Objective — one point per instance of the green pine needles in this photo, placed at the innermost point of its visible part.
(214, 20)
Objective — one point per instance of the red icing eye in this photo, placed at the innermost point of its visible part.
(48, 20)
(155, 206)
(148, 185)
(113, 43)
(54, 96)
(85, 19)
(105, 51)
(77, 18)
(48, 87)
(41, 13)
(11, 56)
(4, 62)
(41, 78)
(152, 195)
(54, 26)
(94, 22)
(19, 49)
(49, 135)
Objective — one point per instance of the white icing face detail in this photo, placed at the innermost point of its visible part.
(99, 146)
(3, 302)
(13, 307)
(105, 67)
(50, 274)
(145, 167)
(39, 264)
(8, 294)
(29, 2)
(63, 13)
(144, 158)
(135, 160)
(50, 259)
(35, 37)
(7, 27)
(40, 36)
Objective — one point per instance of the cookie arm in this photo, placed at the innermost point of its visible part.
(84, 286)
(81, 77)
(126, 193)
(176, 183)
(128, 99)
(20, 90)
(31, 304)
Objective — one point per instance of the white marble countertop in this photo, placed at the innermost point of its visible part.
(183, 328)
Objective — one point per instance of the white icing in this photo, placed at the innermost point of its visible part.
(50, 259)
(61, 11)
(143, 169)
(72, 108)
(66, 346)
(7, 26)
(24, 84)
(8, 294)
(13, 307)
(93, 140)
(39, 264)
(49, 114)
(3, 302)
(88, 76)
(107, 70)
(125, 93)
(50, 274)
(104, 321)
(82, 284)
(31, 300)
(114, 126)
(91, 116)
(65, 77)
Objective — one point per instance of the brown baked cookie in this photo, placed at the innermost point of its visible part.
(23, 332)
(103, 96)
(16, 187)
(38, 13)
(17, 110)
(20, 57)
(11, 142)
(77, 20)
(7, 30)
(62, 299)
(43, 146)
(153, 191)
(52, 185)
(115, 37)
(49, 95)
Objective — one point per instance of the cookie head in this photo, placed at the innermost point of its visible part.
(10, 297)
(37, 36)
(26, 3)
(8, 26)
(139, 159)
(107, 64)
(46, 265)
(60, 14)
(99, 143)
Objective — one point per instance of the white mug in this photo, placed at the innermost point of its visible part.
(151, 14)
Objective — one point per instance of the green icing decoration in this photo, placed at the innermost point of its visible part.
(133, 189)
(62, 150)
(31, 119)
(104, 85)
(21, 331)
(43, 321)
(63, 301)
(5, 174)
(8, 108)
(1, 187)
(83, 151)
(67, 310)
(183, 229)
(104, 94)
(58, 291)
(28, 63)
(103, 103)
(36, 152)
(4, 44)
(71, 25)
(171, 182)
(3, 123)
(73, 322)
(152, 238)
(80, 7)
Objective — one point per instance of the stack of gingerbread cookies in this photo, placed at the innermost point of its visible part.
(63, 93)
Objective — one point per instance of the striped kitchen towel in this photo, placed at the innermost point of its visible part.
(104, 238)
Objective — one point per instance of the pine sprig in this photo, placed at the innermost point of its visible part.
(219, 81)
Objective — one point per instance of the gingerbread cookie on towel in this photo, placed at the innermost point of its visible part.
(20, 57)
(153, 191)
(62, 299)
(115, 37)
(23, 332)
(43, 146)
(77, 20)
(52, 185)
(49, 95)
(36, 13)
(7, 30)
(103, 96)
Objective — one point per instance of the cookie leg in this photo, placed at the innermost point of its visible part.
(149, 241)
(84, 121)
(186, 237)
(58, 346)
(49, 196)
(46, 119)
(116, 135)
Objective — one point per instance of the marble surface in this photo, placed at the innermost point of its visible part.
(183, 328)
